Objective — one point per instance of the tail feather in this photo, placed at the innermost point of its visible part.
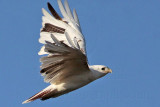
(39, 95)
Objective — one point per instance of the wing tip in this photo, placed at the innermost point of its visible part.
(43, 10)
(53, 11)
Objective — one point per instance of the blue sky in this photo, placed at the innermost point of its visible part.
(122, 34)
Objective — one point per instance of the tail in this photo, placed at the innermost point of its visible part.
(39, 95)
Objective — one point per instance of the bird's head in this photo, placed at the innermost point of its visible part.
(100, 70)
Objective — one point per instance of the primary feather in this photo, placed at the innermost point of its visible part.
(57, 25)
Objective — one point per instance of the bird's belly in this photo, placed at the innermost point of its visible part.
(76, 82)
(72, 83)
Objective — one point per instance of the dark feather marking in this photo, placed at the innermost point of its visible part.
(54, 13)
(52, 28)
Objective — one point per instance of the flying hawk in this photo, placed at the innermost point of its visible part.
(65, 67)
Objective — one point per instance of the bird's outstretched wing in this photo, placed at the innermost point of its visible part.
(64, 61)
(54, 24)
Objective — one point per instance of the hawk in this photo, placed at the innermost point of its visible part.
(66, 66)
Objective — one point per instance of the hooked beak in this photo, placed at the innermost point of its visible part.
(110, 71)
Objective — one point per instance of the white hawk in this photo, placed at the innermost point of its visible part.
(65, 67)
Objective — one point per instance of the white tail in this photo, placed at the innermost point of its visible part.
(40, 94)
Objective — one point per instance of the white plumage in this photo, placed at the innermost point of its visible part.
(65, 67)
(72, 27)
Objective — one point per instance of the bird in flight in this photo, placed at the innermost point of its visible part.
(65, 67)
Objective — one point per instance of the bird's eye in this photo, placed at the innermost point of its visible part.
(103, 68)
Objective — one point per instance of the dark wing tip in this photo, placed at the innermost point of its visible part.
(48, 4)
(42, 71)
(54, 13)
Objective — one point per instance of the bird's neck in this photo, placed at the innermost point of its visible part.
(96, 74)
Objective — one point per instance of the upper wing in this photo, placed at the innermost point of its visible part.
(63, 62)
(58, 26)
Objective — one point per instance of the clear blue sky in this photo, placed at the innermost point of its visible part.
(122, 34)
